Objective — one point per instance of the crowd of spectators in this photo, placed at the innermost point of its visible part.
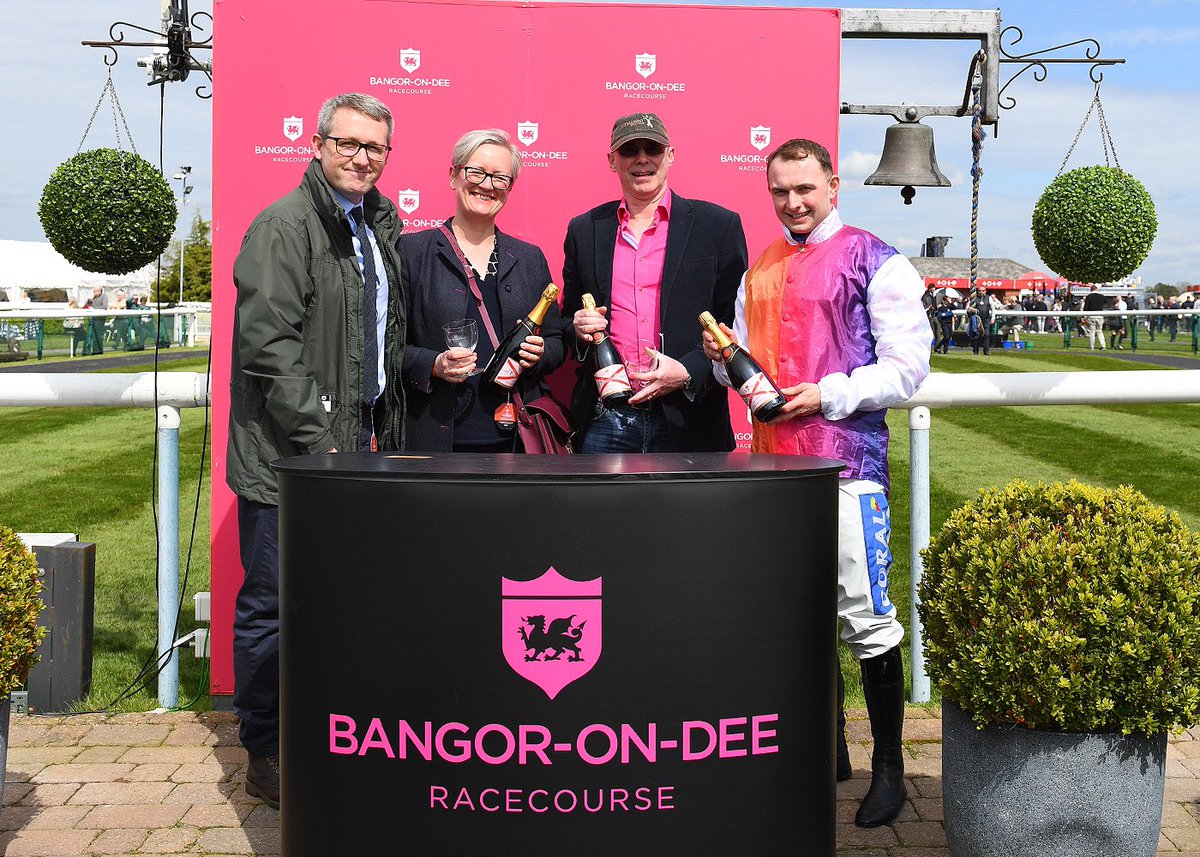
(948, 314)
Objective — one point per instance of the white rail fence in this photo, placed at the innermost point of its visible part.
(942, 390)
(171, 391)
(167, 392)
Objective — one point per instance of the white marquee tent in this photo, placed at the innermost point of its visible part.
(26, 265)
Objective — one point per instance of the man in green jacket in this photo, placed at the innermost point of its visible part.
(317, 338)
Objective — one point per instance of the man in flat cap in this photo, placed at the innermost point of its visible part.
(653, 261)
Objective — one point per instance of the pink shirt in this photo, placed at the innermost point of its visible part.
(637, 278)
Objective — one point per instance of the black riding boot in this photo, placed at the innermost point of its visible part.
(883, 686)
(844, 771)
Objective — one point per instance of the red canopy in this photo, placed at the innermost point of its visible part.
(1038, 281)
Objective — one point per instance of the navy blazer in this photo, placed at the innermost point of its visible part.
(705, 260)
(436, 292)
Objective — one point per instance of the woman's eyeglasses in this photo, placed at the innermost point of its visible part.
(500, 181)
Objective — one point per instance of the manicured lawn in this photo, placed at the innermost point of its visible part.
(1148, 446)
(89, 471)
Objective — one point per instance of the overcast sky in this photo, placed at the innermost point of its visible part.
(49, 85)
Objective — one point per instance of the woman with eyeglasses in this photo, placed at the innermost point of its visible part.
(470, 271)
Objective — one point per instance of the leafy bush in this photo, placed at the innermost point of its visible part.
(1094, 224)
(1065, 607)
(108, 211)
(20, 607)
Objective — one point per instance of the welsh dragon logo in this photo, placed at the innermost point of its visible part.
(552, 652)
(559, 638)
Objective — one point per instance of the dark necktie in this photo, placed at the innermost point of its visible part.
(370, 387)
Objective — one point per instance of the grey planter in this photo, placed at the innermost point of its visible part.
(5, 705)
(1015, 792)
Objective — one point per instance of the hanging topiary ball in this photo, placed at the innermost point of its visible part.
(108, 211)
(1094, 224)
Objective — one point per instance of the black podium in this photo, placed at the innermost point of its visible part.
(585, 655)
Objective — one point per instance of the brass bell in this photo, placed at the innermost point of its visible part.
(908, 160)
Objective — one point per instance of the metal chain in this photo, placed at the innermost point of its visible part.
(111, 91)
(1078, 135)
(977, 135)
(1105, 134)
(1106, 140)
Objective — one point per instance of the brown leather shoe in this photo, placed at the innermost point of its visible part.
(262, 779)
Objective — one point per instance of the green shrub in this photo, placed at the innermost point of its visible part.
(1065, 607)
(20, 607)
(1094, 224)
(108, 211)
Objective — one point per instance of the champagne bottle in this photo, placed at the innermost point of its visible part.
(611, 377)
(755, 386)
(505, 365)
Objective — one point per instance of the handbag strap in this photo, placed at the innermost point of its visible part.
(478, 295)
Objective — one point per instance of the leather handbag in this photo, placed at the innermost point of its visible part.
(542, 424)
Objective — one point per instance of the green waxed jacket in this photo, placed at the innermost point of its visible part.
(295, 381)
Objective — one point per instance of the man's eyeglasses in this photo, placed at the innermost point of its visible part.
(500, 181)
(348, 148)
(631, 149)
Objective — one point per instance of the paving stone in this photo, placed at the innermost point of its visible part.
(929, 809)
(217, 815)
(930, 787)
(1176, 815)
(230, 840)
(66, 734)
(922, 833)
(1184, 838)
(25, 731)
(16, 817)
(127, 733)
(166, 755)
(1181, 767)
(98, 755)
(845, 811)
(199, 793)
(56, 817)
(121, 794)
(50, 794)
(191, 735)
(144, 816)
(264, 840)
(152, 773)
(854, 788)
(177, 787)
(46, 843)
(923, 730)
(117, 841)
(262, 816)
(1182, 790)
(41, 755)
(870, 837)
(202, 773)
(172, 839)
(14, 792)
(226, 755)
(82, 773)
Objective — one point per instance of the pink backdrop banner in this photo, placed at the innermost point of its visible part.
(730, 83)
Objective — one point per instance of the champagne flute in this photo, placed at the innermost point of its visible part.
(638, 361)
(463, 333)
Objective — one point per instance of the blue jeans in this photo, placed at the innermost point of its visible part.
(256, 629)
(628, 430)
